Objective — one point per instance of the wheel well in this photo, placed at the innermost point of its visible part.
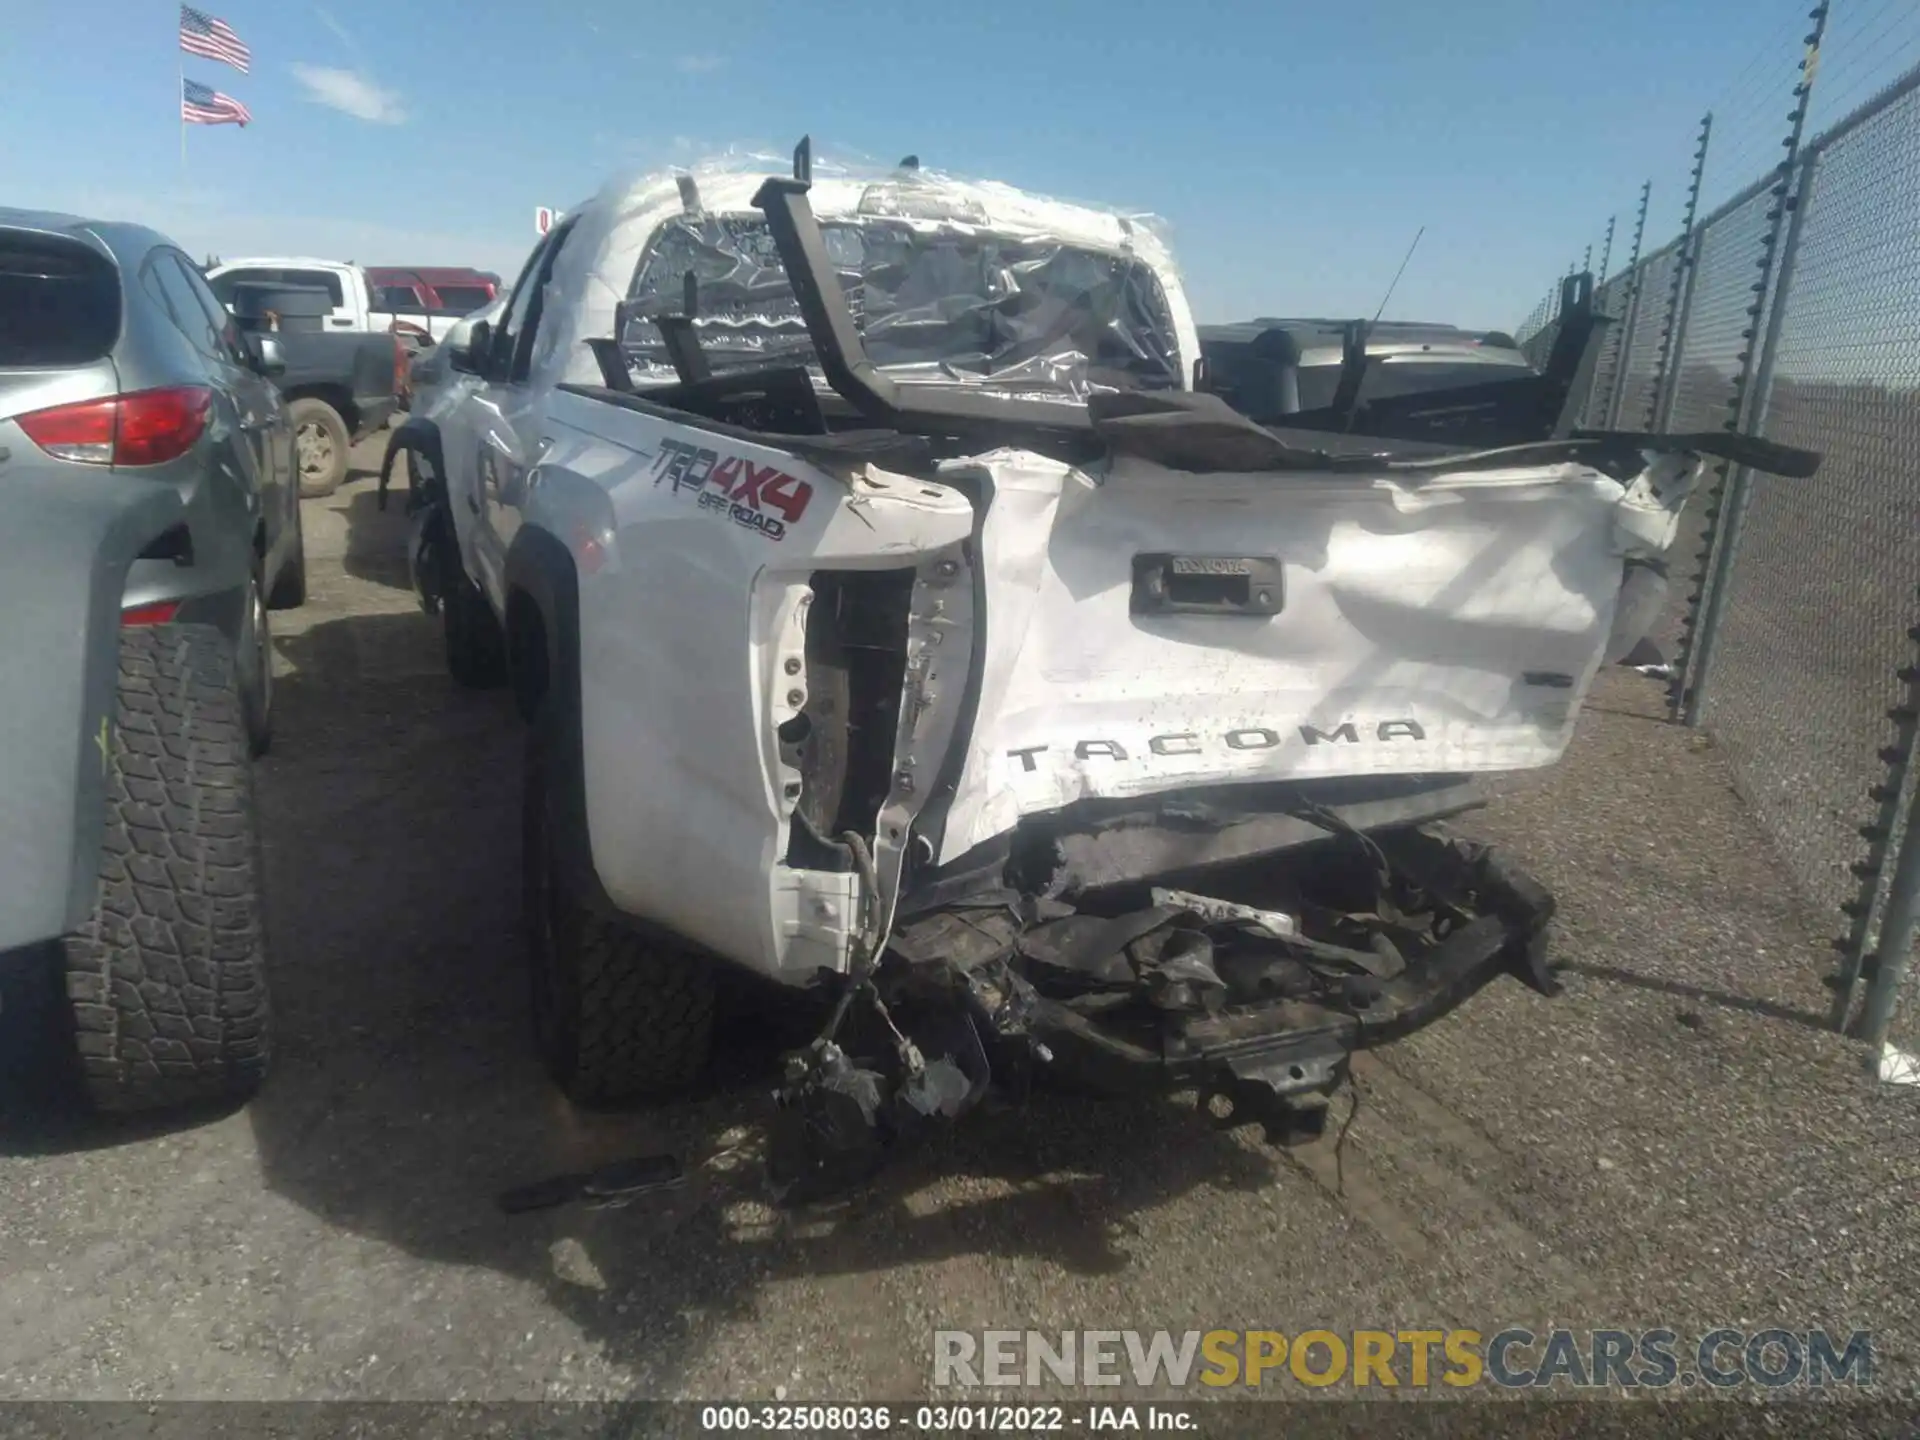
(415, 437)
(528, 663)
(541, 620)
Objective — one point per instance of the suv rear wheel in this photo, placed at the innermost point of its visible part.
(167, 980)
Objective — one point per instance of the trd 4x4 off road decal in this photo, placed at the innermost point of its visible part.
(760, 497)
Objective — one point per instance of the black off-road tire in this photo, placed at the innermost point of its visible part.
(310, 411)
(167, 981)
(476, 645)
(620, 1016)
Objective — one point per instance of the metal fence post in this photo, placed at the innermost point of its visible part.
(1726, 544)
(1667, 394)
(1896, 938)
(1892, 794)
(1686, 261)
(1751, 390)
(1635, 285)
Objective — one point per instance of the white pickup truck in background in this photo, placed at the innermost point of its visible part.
(357, 303)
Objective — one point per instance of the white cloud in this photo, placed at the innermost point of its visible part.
(699, 64)
(351, 93)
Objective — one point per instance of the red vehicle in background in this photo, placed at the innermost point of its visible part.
(426, 300)
(457, 290)
(443, 293)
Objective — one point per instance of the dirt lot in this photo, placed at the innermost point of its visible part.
(1675, 1142)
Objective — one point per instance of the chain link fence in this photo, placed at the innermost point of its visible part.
(1633, 394)
(1609, 299)
(1804, 667)
(1822, 593)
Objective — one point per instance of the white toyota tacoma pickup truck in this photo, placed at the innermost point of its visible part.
(895, 620)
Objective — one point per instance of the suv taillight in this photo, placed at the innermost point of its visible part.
(147, 427)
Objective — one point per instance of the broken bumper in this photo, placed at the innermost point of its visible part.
(1276, 1066)
(1258, 1010)
(1275, 1062)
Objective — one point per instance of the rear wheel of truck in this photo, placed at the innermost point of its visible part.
(619, 1016)
(166, 983)
(320, 445)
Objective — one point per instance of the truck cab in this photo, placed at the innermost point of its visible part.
(401, 301)
(346, 285)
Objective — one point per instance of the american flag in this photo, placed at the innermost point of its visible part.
(203, 105)
(203, 34)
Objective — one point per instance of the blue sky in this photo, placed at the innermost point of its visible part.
(1294, 148)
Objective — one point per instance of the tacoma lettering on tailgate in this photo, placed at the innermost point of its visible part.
(728, 485)
(1254, 737)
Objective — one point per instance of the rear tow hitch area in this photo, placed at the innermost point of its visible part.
(1254, 995)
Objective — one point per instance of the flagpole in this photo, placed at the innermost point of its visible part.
(180, 104)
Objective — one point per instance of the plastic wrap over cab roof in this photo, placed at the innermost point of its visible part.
(949, 279)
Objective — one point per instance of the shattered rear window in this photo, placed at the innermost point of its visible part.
(934, 303)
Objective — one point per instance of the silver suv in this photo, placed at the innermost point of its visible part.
(115, 356)
(148, 518)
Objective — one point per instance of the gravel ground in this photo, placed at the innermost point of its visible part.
(1674, 1142)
